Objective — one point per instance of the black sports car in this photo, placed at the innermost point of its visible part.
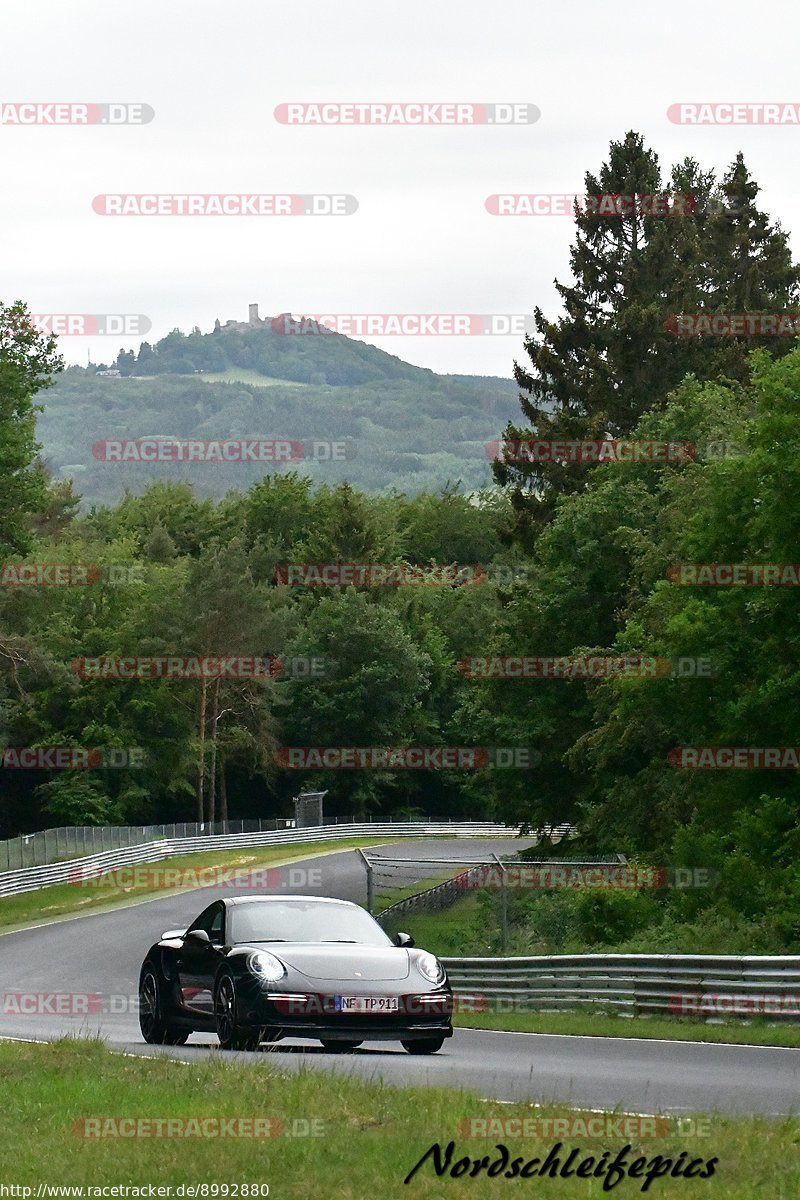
(256, 969)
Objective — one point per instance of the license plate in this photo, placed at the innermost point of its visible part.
(367, 1004)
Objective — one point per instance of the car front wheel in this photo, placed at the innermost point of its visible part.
(424, 1045)
(232, 1036)
(155, 1029)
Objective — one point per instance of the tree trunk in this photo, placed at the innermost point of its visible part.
(223, 791)
(212, 775)
(201, 762)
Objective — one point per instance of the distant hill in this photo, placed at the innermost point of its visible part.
(407, 427)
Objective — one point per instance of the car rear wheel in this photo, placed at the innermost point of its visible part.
(334, 1047)
(155, 1029)
(424, 1045)
(232, 1036)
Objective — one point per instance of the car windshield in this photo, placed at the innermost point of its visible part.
(299, 921)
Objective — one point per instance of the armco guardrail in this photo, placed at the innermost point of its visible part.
(690, 985)
(31, 879)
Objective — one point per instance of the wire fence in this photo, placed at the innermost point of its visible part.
(449, 891)
(76, 841)
(433, 899)
(388, 872)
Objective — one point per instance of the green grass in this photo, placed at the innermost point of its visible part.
(246, 375)
(67, 899)
(387, 899)
(449, 931)
(368, 1136)
(758, 1032)
(233, 375)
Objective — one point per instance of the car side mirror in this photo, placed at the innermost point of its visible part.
(198, 936)
(170, 935)
(403, 939)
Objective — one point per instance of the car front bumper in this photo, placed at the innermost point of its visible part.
(304, 1014)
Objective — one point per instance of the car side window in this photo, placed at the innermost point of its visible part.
(215, 929)
(211, 920)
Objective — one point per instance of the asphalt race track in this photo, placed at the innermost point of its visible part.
(94, 962)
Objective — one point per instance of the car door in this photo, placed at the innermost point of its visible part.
(198, 961)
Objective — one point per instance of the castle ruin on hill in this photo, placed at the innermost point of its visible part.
(253, 322)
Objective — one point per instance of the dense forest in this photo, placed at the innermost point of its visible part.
(579, 559)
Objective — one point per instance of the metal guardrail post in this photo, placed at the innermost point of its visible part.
(503, 906)
(370, 897)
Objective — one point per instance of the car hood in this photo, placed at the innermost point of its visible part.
(341, 962)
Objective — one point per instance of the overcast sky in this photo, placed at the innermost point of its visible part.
(421, 240)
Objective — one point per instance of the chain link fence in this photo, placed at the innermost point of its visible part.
(76, 841)
(388, 873)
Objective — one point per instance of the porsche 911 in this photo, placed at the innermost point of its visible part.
(258, 969)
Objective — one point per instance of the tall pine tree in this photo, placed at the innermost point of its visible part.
(592, 372)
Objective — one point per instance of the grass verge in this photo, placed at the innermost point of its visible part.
(752, 1033)
(334, 1135)
(448, 932)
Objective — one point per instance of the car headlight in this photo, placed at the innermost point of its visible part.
(266, 966)
(429, 966)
